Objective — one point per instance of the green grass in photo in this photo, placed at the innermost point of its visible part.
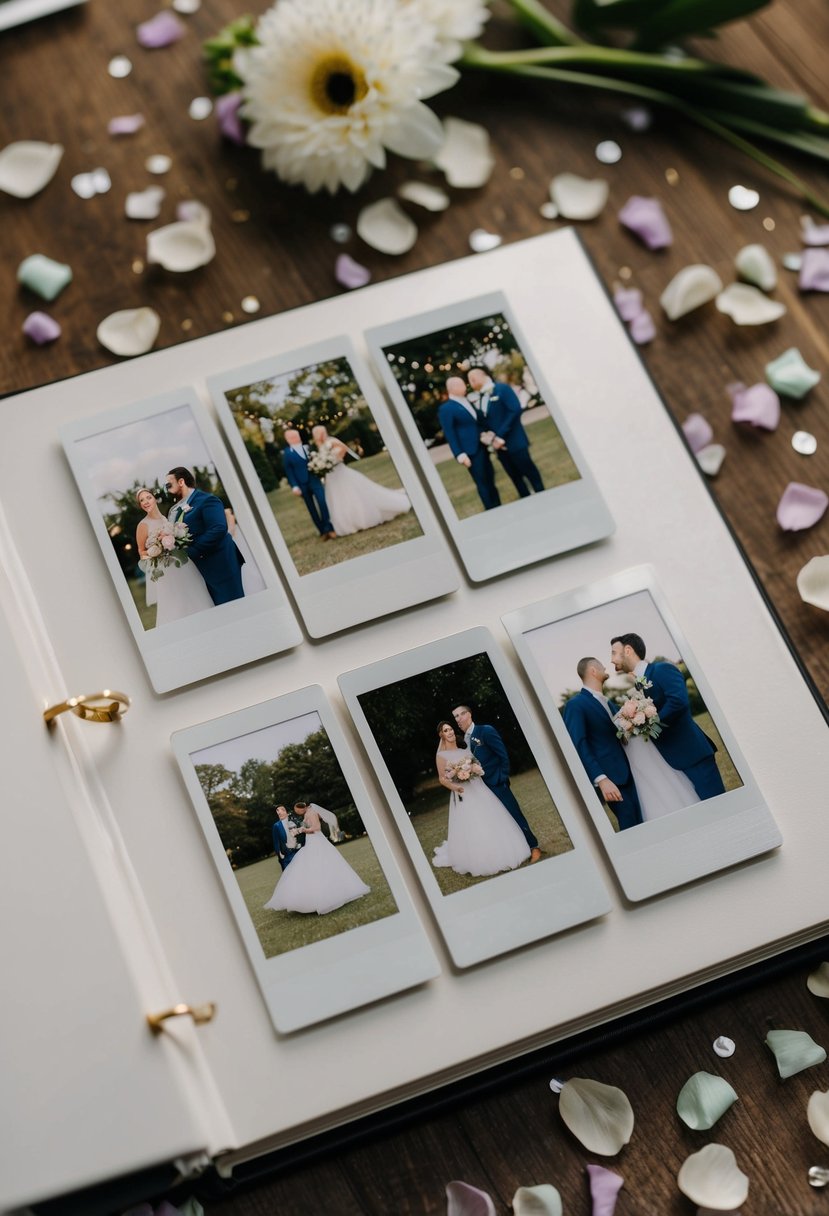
(548, 452)
(430, 819)
(309, 552)
(279, 932)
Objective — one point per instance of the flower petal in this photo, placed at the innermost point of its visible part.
(226, 109)
(813, 587)
(44, 276)
(755, 264)
(349, 273)
(542, 1200)
(27, 166)
(416, 132)
(818, 981)
(688, 289)
(385, 226)
(790, 375)
(144, 204)
(698, 431)
(465, 155)
(814, 270)
(628, 301)
(642, 328)
(41, 328)
(748, 306)
(758, 405)
(182, 246)
(812, 233)
(817, 1112)
(703, 1100)
(712, 1179)
(604, 1188)
(432, 198)
(598, 1115)
(161, 30)
(125, 124)
(646, 219)
(465, 1200)
(578, 198)
(710, 458)
(795, 1050)
(193, 212)
(132, 331)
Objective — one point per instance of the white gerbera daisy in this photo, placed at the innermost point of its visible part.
(454, 22)
(334, 83)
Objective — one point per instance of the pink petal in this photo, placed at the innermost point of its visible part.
(161, 30)
(697, 431)
(628, 301)
(349, 273)
(646, 219)
(814, 270)
(465, 1200)
(604, 1187)
(758, 405)
(41, 328)
(812, 233)
(800, 507)
(226, 109)
(642, 328)
(125, 124)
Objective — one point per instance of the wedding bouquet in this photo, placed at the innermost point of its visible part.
(167, 547)
(638, 715)
(463, 770)
(322, 460)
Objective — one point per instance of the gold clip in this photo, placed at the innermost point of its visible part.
(106, 706)
(199, 1014)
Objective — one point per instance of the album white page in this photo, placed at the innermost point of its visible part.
(459, 1021)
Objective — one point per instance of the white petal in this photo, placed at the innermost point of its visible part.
(813, 586)
(817, 1112)
(465, 156)
(755, 264)
(598, 1115)
(578, 198)
(129, 332)
(818, 981)
(385, 226)
(416, 133)
(712, 1179)
(432, 198)
(688, 289)
(748, 306)
(27, 166)
(710, 458)
(194, 212)
(543, 1200)
(182, 246)
(144, 204)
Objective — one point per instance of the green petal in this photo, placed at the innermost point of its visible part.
(794, 1050)
(790, 375)
(598, 1115)
(703, 1099)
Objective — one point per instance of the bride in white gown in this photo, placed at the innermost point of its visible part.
(661, 789)
(483, 837)
(181, 590)
(318, 879)
(355, 502)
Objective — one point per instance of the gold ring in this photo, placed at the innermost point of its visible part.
(199, 1014)
(105, 706)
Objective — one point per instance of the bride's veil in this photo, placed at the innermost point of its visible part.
(330, 818)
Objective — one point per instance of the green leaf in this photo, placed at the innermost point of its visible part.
(680, 18)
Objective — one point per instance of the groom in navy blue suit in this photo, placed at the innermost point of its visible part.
(285, 852)
(588, 717)
(305, 484)
(462, 425)
(212, 550)
(502, 413)
(683, 744)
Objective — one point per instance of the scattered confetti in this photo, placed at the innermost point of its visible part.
(130, 332)
(758, 405)
(158, 164)
(712, 1179)
(517, 174)
(200, 108)
(227, 317)
(769, 224)
(637, 118)
(755, 265)
(812, 233)
(818, 1176)
(746, 305)
(578, 198)
(41, 328)
(549, 211)
(27, 166)
(671, 177)
(813, 588)
(226, 109)
(250, 304)
(144, 204)
(465, 156)
(480, 240)
(723, 1046)
(792, 261)
(698, 432)
(608, 152)
(790, 375)
(689, 289)
(43, 275)
(710, 460)
(349, 273)
(703, 1100)
(340, 233)
(743, 199)
(87, 185)
(240, 216)
(187, 324)
(643, 328)
(465, 1200)
(795, 1050)
(556, 1086)
(181, 247)
(645, 218)
(604, 1189)
(432, 198)
(125, 124)
(599, 1116)
(161, 30)
(625, 272)
(385, 226)
(187, 7)
(814, 270)
(137, 266)
(119, 67)
(542, 1200)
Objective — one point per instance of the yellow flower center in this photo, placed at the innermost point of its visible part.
(336, 84)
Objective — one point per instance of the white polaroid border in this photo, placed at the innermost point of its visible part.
(518, 906)
(517, 533)
(688, 844)
(375, 584)
(353, 968)
(226, 635)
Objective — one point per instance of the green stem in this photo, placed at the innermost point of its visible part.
(541, 22)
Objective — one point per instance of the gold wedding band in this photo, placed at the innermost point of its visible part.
(105, 706)
(199, 1014)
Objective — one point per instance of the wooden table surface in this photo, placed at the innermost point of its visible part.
(275, 243)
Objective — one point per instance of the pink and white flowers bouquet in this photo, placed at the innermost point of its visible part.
(322, 459)
(463, 770)
(638, 715)
(166, 547)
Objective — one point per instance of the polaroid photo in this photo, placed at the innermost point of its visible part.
(188, 563)
(317, 897)
(489, 436)
(638, 724)
(337, 494)
(472, 788)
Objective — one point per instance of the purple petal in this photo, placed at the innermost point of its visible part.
(814, 270)
(161, 30)
(604, 1187)
(646, 219)
(628, 301)
(812, 233)
(800, 507)
(697, 431)
(758, 405)
(465, 1200)
(349, 273)
(125, 124)
(41, 328)
(642, 328)
(226, 109)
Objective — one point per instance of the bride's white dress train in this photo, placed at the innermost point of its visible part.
(661, 789)
(179, 592)
(483, 837)
(356, 503)
(317, 880)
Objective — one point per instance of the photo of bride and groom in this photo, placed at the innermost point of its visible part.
(316, 449)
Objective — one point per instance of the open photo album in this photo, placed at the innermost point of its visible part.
(425, 734)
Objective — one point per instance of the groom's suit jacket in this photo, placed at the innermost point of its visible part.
(213, 549)
(682, 743)
(296, 469)
(601, 752)
(280, 844)
(503, 417)
(461, 428)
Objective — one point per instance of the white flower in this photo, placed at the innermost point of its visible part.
(335, 83)
(454, 22)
